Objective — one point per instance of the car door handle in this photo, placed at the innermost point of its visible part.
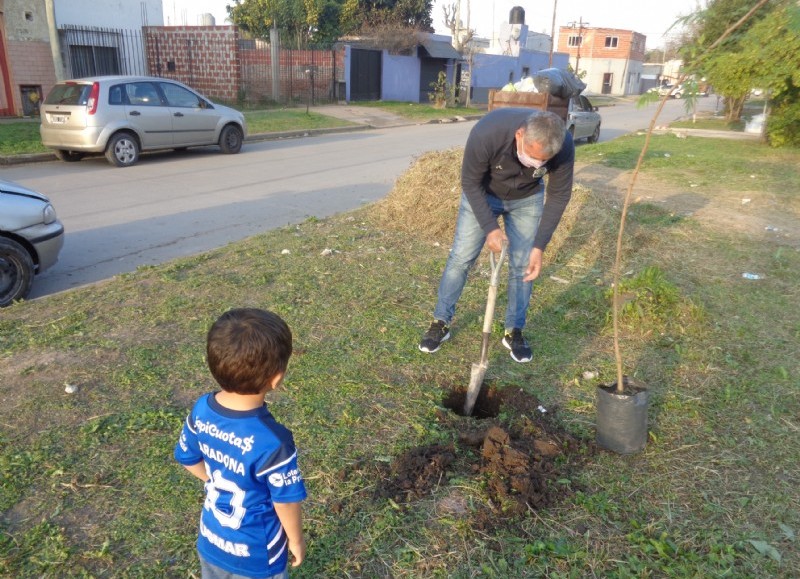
(178, 114)
(135, 113)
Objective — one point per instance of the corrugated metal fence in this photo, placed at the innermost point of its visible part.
(213, 60)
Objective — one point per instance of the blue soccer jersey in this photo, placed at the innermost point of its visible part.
(252, 463)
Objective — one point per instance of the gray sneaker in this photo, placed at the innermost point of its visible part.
(520, 351)
(432, 340)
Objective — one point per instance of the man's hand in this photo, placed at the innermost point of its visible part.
(494, 241)
(534, 265)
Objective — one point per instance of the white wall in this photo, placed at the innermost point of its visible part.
(125, 14)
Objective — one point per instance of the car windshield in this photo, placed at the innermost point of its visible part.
(69, 94)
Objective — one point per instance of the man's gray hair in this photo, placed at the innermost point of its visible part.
(545, 128)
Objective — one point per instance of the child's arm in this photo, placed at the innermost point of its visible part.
(291, 517)
(198, 470)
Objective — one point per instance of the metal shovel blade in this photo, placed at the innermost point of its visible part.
(474, 388)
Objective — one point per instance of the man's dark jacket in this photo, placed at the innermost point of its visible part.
(491, 166)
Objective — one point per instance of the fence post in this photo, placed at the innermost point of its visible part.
(275, 55)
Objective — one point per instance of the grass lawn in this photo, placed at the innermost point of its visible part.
(89, 487)
(20, 137)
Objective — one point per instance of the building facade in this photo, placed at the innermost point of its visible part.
(26, 62)
(609, 60)
(90, 37)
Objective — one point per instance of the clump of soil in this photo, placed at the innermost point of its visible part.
(518, 471)
(415, 473)
(519, 461)
(629, 388)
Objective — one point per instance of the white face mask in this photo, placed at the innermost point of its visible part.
(528, 161)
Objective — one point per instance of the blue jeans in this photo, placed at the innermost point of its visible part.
(521, 219)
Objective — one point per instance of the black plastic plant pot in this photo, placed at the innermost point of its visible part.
(622, 417)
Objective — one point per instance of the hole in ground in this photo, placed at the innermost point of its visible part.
(486, 406)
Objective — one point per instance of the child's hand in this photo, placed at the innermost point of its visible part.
(298, 551)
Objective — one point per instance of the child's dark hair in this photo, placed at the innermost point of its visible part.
(246, 348)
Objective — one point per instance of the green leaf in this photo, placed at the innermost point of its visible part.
(766, 549)
(788, 532)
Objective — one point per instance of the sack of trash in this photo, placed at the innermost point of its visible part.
(525, 85)
(557, 82)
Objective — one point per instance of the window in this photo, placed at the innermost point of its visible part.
(93, 60)
(611, 41)
(177, 96)
(115, 95)
(69, 94)
(575, 41)
(142, 93)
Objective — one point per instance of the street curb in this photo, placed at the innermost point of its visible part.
(6, 160)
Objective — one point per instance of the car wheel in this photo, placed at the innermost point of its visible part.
(230, 140)
(122, 150)
(677, 95)
(16, 272)
(68, 156)
(595, 136)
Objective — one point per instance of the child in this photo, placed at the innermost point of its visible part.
(251, 518)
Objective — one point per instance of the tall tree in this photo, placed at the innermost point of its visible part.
(301, 22)
(453, 19)
(305, 22)
(762, 51)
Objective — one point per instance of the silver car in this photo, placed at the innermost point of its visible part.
(124, 115)
(583, 120)
(31, 237)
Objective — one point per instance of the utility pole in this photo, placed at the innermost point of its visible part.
(55, 45)
(275, 57)
(581, 24)
(552, 34)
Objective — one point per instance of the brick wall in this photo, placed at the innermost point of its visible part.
(630, 45)
(30, 64)
(204, 57)
(213, 60)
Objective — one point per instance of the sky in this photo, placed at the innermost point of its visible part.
(650, 17)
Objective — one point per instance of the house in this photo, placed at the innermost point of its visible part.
(612, 59)
(44, 40)
(26, 61)
(399, 73)
(515, 53)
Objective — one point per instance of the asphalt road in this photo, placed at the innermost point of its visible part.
(172, 205)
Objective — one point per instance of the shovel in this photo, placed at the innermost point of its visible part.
(479, 369)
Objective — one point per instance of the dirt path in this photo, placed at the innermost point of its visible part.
(755, 214)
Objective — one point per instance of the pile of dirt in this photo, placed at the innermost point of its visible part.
(519, 462)
(424, 200)
(415, 473)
